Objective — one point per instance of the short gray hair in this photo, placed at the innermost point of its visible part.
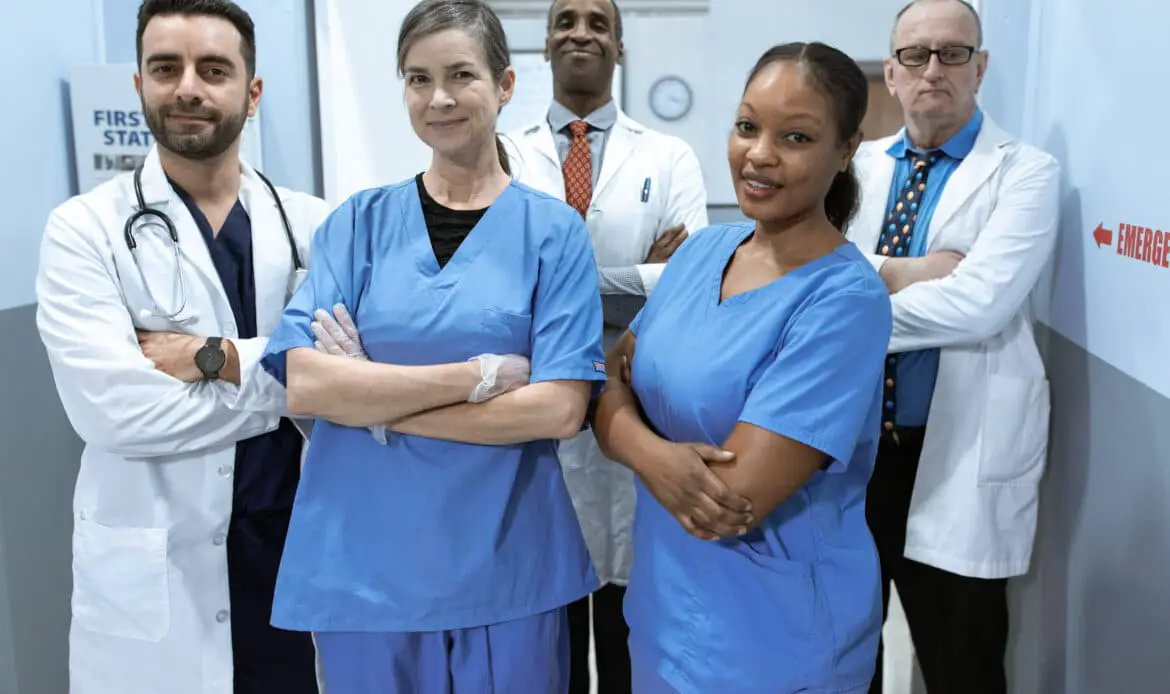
(964, 3)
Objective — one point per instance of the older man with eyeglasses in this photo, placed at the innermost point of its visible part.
(960, 219)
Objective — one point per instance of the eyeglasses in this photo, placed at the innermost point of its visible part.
(917, 56)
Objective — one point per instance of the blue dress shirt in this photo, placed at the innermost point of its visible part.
(917, 370)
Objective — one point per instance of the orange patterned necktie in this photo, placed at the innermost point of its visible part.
(578, 169)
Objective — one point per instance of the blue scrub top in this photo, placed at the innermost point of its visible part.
(795, 605)
(425, 534)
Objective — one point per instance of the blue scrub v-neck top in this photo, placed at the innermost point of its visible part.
(795, 605)
(424, 534)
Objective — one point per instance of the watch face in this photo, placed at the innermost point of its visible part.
(209, 359)
(670, 98)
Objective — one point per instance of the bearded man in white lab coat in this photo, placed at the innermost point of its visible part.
(960, 218)
(187, 480)
(641, 192)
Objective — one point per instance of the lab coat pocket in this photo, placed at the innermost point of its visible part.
(506, 332)
(1014, 440)
(120, 580)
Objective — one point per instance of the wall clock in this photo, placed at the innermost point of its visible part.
(671, 98)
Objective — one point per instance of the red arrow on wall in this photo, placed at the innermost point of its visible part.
(1103, 236)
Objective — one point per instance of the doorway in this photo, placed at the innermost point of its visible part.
(883, 116)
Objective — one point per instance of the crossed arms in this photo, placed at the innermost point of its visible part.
(486, 401)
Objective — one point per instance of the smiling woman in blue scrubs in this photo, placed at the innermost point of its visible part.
(757, 365)
(441, 561)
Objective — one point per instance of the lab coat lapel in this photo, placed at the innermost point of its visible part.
(541, 138)
(547, 175)
(158, 194)
(973, 172)
(272, 265)
(878, 176)
(621, 143)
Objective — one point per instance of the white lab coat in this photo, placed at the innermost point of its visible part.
(154, 492)
(973, 510)
(623, 229)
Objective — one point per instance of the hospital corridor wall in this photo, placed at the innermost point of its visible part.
(1086, 81)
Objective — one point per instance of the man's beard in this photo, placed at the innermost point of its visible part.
(203, 143)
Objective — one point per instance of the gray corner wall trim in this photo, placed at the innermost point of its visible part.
(39, 454)
(7, 657)
(1093, 616)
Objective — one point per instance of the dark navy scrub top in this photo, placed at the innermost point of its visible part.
(267, 659)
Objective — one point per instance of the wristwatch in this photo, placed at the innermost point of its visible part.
(210, 358)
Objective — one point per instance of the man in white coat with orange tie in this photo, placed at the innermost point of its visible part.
(641, 193)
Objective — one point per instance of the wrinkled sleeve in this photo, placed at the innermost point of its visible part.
(821, 386)
(113, 395)
(566, 314)
(330, 280)
(258, 391)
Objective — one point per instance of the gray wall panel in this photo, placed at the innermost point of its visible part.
(1094, 614)
(39, 455)
(7, 657)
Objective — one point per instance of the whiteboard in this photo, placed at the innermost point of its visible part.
(534, 91)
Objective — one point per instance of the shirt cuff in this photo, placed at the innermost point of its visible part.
(621, 280)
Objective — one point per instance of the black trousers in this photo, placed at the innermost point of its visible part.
(611, 635)
(267, 660)
(959, 625)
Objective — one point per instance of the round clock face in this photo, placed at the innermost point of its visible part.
(670, 98)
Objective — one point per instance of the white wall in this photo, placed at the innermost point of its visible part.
(715, 53)
(366, 135)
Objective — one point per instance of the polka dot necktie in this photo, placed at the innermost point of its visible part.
(895, 242)
(578, 169)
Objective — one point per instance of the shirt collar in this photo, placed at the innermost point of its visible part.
(560, 117)
(957, 147)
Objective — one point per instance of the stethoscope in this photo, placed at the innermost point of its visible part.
(144, 212)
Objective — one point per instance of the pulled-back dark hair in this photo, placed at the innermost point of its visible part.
(224, 9)
(473, 16)
(844, 85)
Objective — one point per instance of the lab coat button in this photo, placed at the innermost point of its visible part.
(229, 332)
(219, 539)
(221, 616)
(225, 470)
